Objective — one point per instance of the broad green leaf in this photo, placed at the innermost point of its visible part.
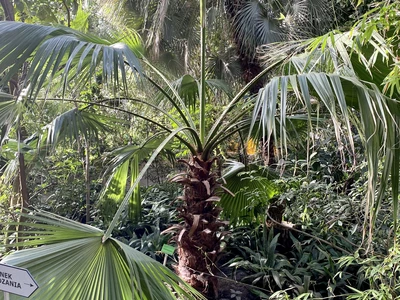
(243, 208)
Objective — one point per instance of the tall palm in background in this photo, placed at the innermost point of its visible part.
(255, 23)
(337, 69)
(170, 30)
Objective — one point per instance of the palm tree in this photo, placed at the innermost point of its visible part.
(337, 69)
(355, 75)
(259, 22)
(169, 29)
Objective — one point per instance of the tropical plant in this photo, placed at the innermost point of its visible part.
(90, 267)
(341, 69)
(381, 273)
(338, 69)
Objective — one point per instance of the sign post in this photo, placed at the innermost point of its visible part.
(17, 281)
(167, 249)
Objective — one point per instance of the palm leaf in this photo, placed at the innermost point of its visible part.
(8, 111)
(242, 208)
(306, 18)
(61, 51)
(255, 25)
(124, 165)
(8, 151)
(378, 115)
(72, 262)
(73, 124)
(224, 66)
(5, 96)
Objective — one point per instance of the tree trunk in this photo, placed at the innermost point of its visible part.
(87, 179)
(8, 8)
(249, 63)
(198, 241)
(22, 181)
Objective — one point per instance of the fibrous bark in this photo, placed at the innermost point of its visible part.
(199, 237)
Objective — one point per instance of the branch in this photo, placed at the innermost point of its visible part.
(68, 13)
(307, 234)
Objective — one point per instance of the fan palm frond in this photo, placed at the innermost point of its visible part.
(8, 151)
(8, 109)
(255, 25)
(89, 268)
(224, 66)
(72, 124)
(308, 18)
(61, 51)
(5, 96)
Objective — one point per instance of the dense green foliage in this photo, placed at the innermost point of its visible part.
(309, 210)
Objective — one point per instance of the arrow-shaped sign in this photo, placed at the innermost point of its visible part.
(30, 284)
(17, 281)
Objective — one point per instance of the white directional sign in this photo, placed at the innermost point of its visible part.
(17, 281)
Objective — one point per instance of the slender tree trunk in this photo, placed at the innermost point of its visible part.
(8, 8)
(68, 13)
(198, 241)
(22, 181)
(87, 179)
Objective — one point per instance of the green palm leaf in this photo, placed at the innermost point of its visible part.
(376, 122)
(243, 208)
(8, 111)
(61, 51)
(84, 267)
(72, 124)
(224, 65)
(125, 164)
(5, 96)
(255, 24)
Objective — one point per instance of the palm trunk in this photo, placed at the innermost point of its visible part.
(198, 241)
(249, 63)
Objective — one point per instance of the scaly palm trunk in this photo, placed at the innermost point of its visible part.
(198, 241)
